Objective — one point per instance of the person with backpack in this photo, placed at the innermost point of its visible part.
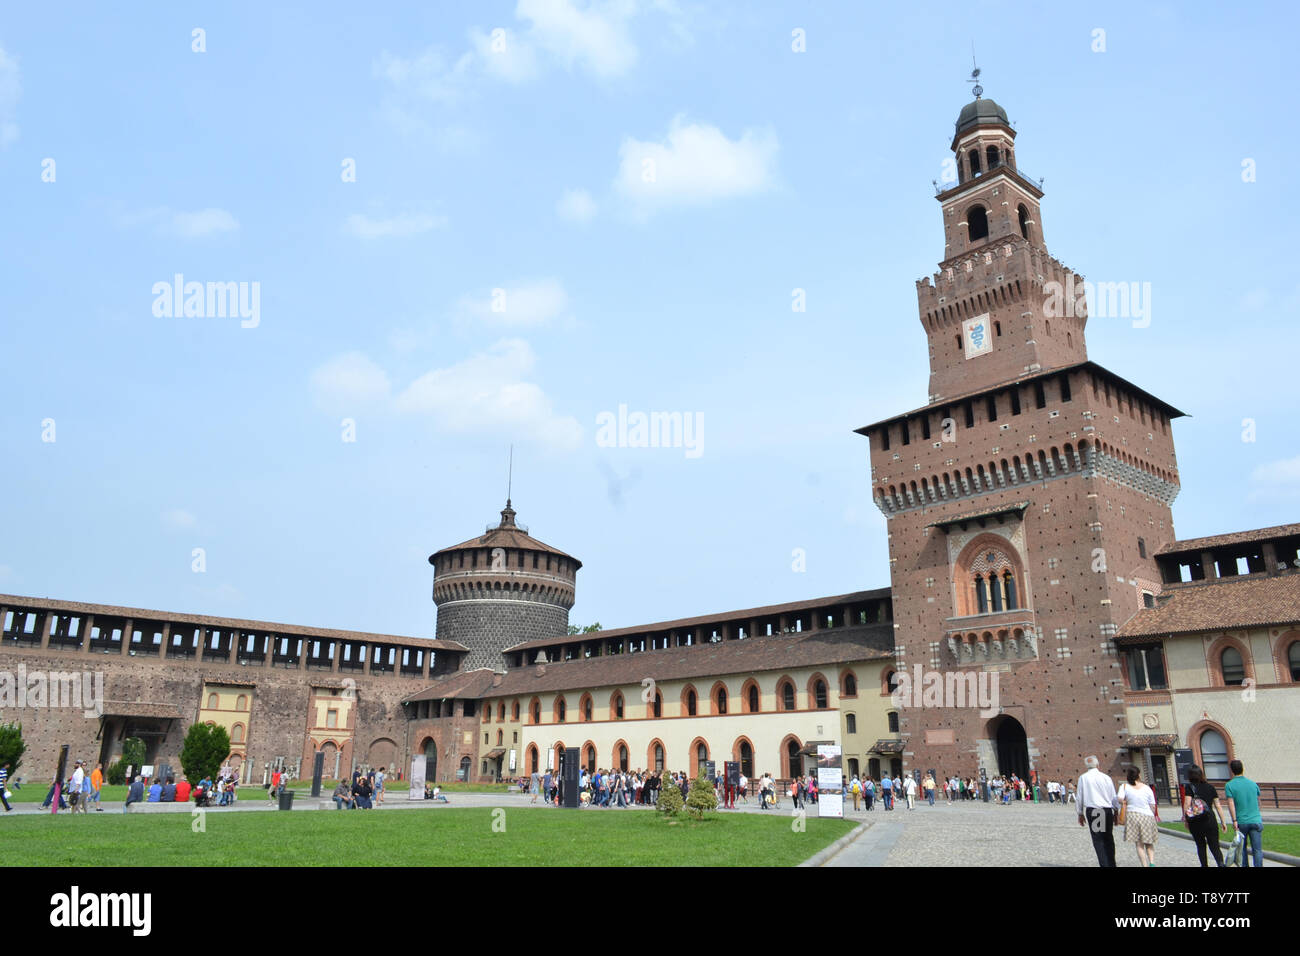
(1200, 810)
(1243, 804)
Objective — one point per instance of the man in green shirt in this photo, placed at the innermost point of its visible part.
(1243, 804)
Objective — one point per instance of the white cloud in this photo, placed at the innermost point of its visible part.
(10, 88)
(348, 380)
(205, 222)
(401, 226)
(505, 55)
(592, 37)
(178, 519)
(186, 225)
(520, 303)
(1284, 472)
(428, 76)
(576, 205)
(489, 391)
(694, 165)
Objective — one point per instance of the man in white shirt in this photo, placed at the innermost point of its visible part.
(1097, 803)
(909, 789)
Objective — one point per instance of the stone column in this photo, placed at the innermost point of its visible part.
(46, 625)
(338, 652)
(127, 627)
(235, 636)
(428, 656)
(1208, 566)
(87, 628)
(166, 640)
(370, 656)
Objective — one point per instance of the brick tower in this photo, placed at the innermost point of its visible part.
(500, 589)
(1025, 500)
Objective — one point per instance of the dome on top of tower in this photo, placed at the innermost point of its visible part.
(978, 112)
(507, 535)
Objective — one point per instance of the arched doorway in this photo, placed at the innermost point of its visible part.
(466, 768)
(430, 759)
(1008, 737)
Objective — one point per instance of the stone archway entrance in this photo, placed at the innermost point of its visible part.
(1011, 744)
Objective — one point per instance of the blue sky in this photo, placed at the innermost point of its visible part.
(515, 161)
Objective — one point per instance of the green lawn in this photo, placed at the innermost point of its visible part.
(441, 837)
(1278, 837)
(31, 793)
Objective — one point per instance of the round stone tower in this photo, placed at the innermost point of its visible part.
(500, 589)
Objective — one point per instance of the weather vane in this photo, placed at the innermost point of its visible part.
(975, 74)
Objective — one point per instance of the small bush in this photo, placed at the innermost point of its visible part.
(702, 798)
(670, 797)
(12, 746)
(117, 773)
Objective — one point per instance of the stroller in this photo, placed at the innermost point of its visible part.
(202, 796)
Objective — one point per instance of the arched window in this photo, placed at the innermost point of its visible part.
(850, 724)
(996, 590)
(237, 734)
(659, 758)
(500, 737)
(692, 703)
(589, 757)
(974, 157)
(622, 757)
(212, 702)
(560, 709)
(850, 686)
(657, 708)
(722, 700)
(753, 698)
(586, 707)
(893, 721)
(1023, 215)
(891, 682)
(820, 698)
(794, 762)
(977, 223)
(992, 154)
(1009, 584)
(537, 712)
(746, 759)
(241, 702)
(532, 758)
(501, 711)
(1214, 755)
(1293, 660)
(981, 596)
(1234, 669)
(787, 696)
(616, 705)
(701, 755)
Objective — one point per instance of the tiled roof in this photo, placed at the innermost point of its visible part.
(471, 684)
(745, 614)
(507, 535)
(1225, 540)
(1018, 506)
(13, 601)
(1152, 740)
(1020, 380)
(839, 645)
(887, 746)
(1225, 604)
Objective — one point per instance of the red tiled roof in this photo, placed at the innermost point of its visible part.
(1235, 537)
(839, 645)
(1226, 604)
(471, 684)
(745, 614)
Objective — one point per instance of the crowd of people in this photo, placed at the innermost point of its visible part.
(1133, 806)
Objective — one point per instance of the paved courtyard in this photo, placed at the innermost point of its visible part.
(985, 834)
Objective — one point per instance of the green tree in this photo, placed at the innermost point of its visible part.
(589, 629)
(702, 797)
(670, 797)
(133, 752)
(204, 750)
(12, 747)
